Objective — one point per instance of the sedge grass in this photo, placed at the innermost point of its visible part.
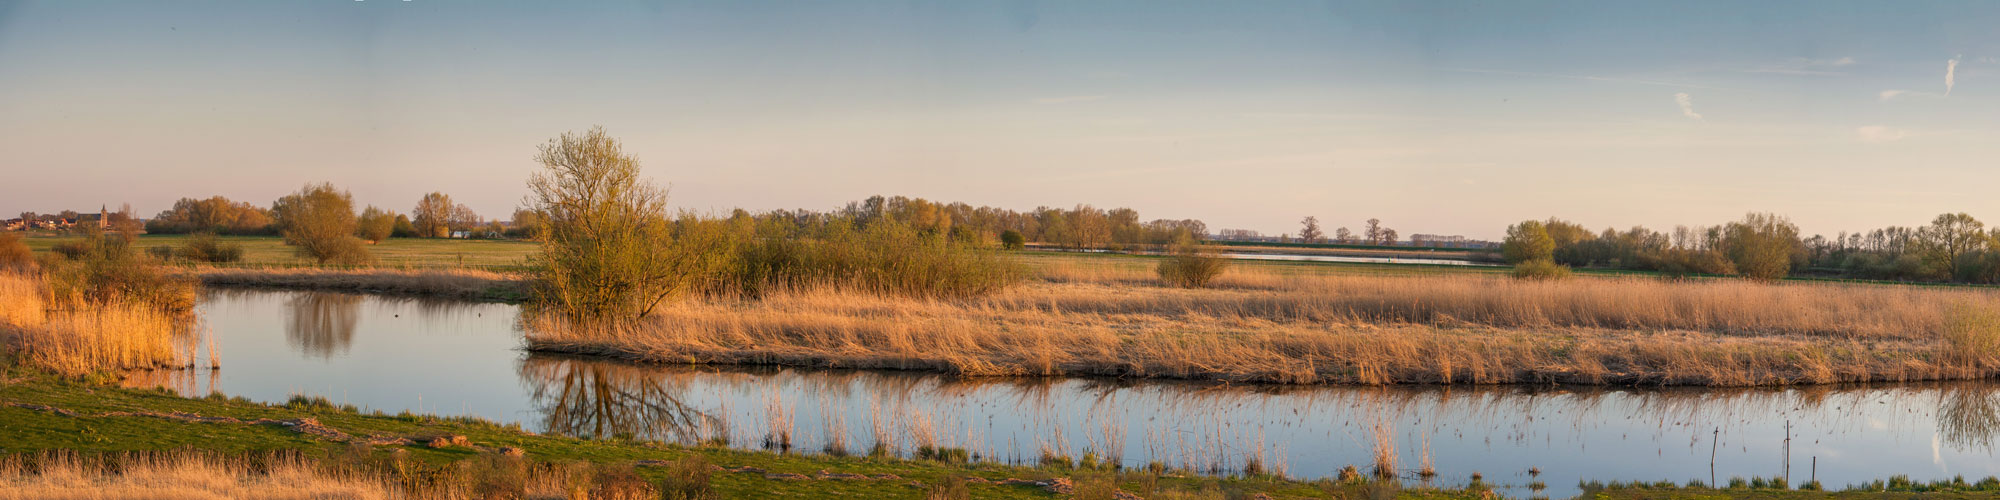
(1279, 327)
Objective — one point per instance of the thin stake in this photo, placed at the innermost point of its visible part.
(1712, 443)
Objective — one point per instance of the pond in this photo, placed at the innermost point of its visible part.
(455, 358)
(1365, 260)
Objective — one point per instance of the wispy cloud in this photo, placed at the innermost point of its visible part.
(1068, 99)
(1806, 67)
(1585, 77)
(1687, 105)
(1950, 74)
(1877, 134)
(1895, 94)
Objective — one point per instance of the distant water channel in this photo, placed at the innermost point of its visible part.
(454, 358)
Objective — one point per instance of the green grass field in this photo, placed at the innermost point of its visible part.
(270, 251)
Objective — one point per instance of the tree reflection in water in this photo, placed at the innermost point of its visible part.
(1968, 416)
(598, 399)
(321, 324)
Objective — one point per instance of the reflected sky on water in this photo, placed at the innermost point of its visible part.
(452, 358)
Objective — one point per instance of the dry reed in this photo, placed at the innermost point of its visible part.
(76, 338)
(1268, 326)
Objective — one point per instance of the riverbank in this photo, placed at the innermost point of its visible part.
(1296, 328)
(213, 444)
(462, 284)
(458, 457)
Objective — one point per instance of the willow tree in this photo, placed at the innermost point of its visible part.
(319, 220)
(608, 250)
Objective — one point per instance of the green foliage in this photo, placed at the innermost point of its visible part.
(1762, 246)
(212, 215)
(1013, 240)
(206, 247)
(402, 228)
(319, 220)
(1191, 266)
(1541, 269)
(375, 224)
(103, 269)
(887, 256)
(1528, 241)
(1950, 237)
(607, 249)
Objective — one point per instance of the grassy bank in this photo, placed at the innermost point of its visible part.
(1278, 326)
(464, 284)
(418, 253)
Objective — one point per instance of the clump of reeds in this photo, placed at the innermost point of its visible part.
(1971, 332)
(779, 416)
(1385, 452)
(76, 338)
(1191, 266)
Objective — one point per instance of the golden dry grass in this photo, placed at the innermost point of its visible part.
(1304, 328)
(190, 475)
(468, 284)
(76, 338)
(178, 478)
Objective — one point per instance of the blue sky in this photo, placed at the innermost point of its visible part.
(1440, 117)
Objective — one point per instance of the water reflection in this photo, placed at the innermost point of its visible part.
(1573, 433)
(322, 324)
(448, 357)
(607, 399)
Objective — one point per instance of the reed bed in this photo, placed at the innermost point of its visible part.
(1303, 328)
(468, 284)
(200, 475)
(79, 338)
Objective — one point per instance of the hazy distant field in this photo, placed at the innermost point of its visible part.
(270, 251)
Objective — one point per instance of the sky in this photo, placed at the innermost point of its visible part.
(1435, 117)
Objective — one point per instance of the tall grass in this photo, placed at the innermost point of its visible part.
(84, 338)
(358, 475)
(1296, 328)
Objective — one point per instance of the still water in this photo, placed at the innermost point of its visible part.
(456, 358)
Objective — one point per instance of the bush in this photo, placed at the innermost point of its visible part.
(1013, 240)
(1191, 267)
(319, 220)
(206, 247)
(14, 254)
(104, 270)
(1541, 269)
(887, 257)
(608, 250)
(688, 479)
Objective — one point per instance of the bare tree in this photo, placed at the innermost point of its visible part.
(1343, 235)
(1388, 237)
(432, 217)
(1310, 233)
(1374, 231)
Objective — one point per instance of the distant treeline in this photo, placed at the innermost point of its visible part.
(1953, 247)
(1083, 226)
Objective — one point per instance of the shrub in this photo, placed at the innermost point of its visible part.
(375, 224)
(14, 254)
(948, 488)
(1541, 270)
(160, 252)
(688, 479)
(1528, 241)
(319, 220)
(1762, 245)
(101, 269)
(887, 257)
(1013, 240)
(206, 247)
(1190, 266)
(607, 248)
